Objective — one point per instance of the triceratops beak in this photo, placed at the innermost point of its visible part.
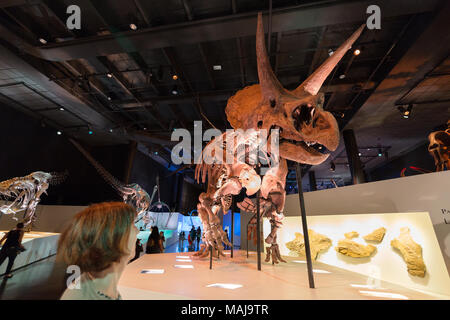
(271, 88)
(314, 82)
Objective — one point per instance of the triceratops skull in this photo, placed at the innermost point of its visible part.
(439, 148)
(298, 114)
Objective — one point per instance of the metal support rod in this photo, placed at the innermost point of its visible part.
(210, 257)
(258, 230)
(233, 208)
(298, 171)
(247, 239)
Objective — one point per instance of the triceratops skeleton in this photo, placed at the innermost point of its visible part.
(439, 148)
(132, 194)
(302, 124)
(25, 193)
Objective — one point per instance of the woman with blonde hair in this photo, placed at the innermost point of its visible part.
(100, 240)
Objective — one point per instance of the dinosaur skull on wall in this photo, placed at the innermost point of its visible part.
(298, 114)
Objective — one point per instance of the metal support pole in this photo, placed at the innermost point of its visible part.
(298, 171)
(247, 239)
(258, 230)
(210, 257)
(354, 161)
(233, 207)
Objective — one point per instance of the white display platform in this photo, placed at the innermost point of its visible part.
(38, 245)
(385, 263)
(277, 282)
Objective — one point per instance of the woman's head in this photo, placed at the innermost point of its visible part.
(155, 233)
(99, 236)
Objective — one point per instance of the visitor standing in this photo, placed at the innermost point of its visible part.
(139, 248)
(154, 244)
(12, 247)
(163, 239)
(199, 236)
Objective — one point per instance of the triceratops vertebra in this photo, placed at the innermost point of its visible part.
(302, 124)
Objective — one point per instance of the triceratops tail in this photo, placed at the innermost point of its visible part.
(109, 178)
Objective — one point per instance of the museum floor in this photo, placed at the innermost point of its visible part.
(283, 281)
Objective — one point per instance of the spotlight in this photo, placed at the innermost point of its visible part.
(61, 109)
(342, 76)
(333, 166)
(111, 130)
(59, 133)
(145, 128)
(156, 152)
(380, 153)
(133, 26)
(109, 98)
(357, 52)
(42, 40)
(405, 112)
(175, 90)
(330, 52)
(175, 77)
(217, 67)
(109, 75)
(90, 131)
(360, 154)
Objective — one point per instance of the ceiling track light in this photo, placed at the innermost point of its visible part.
(42, 40)
(109, 75)
(332, 166)
(405, 112)
(133, 26)
(380, 152)
(175, 90)
(357, 52)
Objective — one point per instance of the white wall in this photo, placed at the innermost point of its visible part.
(49, 218)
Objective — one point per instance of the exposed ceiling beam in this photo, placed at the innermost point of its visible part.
(305, 16)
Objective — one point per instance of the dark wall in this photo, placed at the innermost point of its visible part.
(26, 146)
(418, 157)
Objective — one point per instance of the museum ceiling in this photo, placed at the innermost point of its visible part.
(137, 69)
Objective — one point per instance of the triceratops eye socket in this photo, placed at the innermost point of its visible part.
(273, 103)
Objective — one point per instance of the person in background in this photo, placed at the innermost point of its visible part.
(192, 235)
(198, 236)
(163, 239)
(139, 248)
(100, 240)
(154, 244)
(12, 247)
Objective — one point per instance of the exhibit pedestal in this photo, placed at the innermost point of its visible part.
(182, 276)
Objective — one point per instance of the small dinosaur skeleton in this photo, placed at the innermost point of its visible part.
(303, 127)
(132, 194)
(25, 193)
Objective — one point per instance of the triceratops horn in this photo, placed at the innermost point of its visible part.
(314, 82)
(271, 88)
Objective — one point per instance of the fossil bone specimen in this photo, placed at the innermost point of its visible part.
(353, 249)
(351, 235)
(411, 252)
(25, 193)
(304, 128)
(133, 194)
(376, 235)
(318, 242)
(439, 148)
